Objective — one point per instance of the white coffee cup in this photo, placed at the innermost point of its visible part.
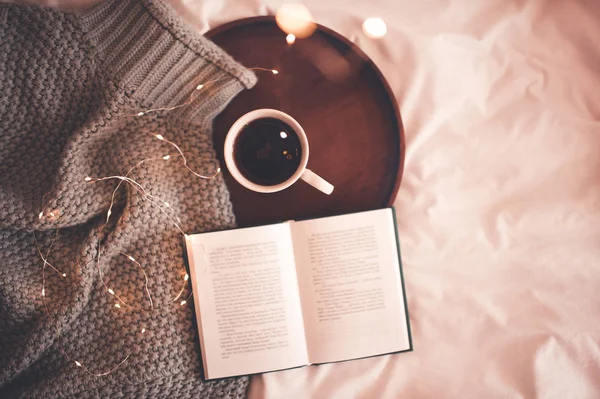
(301, 173)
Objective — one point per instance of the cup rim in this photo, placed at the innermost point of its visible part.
(234, 131)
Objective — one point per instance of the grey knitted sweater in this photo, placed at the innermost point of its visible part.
(67, 84)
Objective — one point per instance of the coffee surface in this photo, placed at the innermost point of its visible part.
(267, 151)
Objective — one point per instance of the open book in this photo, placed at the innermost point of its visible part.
(297, 293)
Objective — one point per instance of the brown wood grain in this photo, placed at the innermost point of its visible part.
(345, 106)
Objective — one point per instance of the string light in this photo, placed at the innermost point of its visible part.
(127, 179)
(51, 216)
(192, 95)
(185, 279)
(44, 258)
(141, 189)
(145, 277)
(158, 202)
(161, 138)
(290, 39)
(41, 214)
(64, 353)
(193, 244)
(163, 207)
(138, 187)
(186, 299)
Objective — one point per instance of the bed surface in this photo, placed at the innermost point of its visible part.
(499, 207)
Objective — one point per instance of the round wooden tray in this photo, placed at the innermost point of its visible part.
(342, 101)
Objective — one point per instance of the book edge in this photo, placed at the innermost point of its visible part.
(403, 285)
(197, 313)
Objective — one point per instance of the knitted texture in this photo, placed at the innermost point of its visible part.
(68, 85)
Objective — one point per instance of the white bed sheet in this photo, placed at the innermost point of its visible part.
(499, 208)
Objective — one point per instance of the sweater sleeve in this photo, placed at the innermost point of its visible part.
(67, 83)
(144, 46)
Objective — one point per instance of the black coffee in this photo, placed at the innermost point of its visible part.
(267, 151)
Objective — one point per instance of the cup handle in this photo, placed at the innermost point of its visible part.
(317, 181)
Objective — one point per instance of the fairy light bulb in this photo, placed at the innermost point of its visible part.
(290, 39)
(307, 28)
(138, 188)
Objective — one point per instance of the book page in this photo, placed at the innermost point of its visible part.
(349, 275)
(247, 300)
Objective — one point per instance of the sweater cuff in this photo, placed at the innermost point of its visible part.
(145, 46)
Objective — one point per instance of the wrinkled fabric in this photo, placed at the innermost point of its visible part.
(499, 207)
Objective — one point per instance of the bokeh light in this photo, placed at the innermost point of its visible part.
(374, 28)
(295, 19)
